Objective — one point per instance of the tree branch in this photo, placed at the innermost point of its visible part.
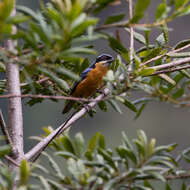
(171, 70)
(172, 64)
(51, 97)
(4, 129)
(160, 56)
(15, 121)
(39, 147)
(131, 49)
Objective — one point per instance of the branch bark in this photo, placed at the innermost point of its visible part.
(15, 120)
(131, 50)
(172, 64)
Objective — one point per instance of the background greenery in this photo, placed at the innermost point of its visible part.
(163, 121)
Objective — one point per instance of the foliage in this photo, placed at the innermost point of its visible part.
(135, 164)
(54, 40)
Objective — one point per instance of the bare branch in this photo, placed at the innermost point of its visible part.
(39, 147)
(12, 161)
(126, 23)
(172, 64)
(160, 56)
(131, 49)
(15, 123)
(4, 129)
(171, 70)
(49, 97)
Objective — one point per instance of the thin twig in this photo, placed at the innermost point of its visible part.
(172, 64)
(126, 23)
(36, 149)
(160, 56)
(171, 70)
(55, 97)
(4, 129)
(48, 97)
(12, 161)
(38, 82)
(131, 50)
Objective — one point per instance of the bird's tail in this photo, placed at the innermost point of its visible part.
(68, 106)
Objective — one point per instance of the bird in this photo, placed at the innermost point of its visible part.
(91, 79)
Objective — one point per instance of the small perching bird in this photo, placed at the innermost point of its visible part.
(91, 79)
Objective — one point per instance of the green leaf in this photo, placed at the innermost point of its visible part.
(80, 28)
(137, 36)
(65, 72)
(66, 154)
(108, 158)
(114, 18)
(127, 141)
(61, 83)
(4, 150)
(167, 148)
(158, 176)
(178, 93)
(79, 50)
(91, 146)
(37, 29)
(101, 141)
(161, 11)
(147, 184)
(27, 11)
(24, 172)
(130, 105)
(56, 185)
(101, 5)
(117, 46)
(183, 186)
(127, 103)
(140, 8)
(67, 143)
(109, 185)
(54, 166)
(167, 187)
(182, 43)
(146, 71)
(115, 106)
(6, 7)
(142, 137)
(19, 18)
(79, 144)
(140, 110)
(92, 142)
(126, 153)
(180, 3)
(151, 147)
(44, 183)
(103, 106)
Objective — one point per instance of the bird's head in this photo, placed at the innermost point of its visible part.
(105, 59)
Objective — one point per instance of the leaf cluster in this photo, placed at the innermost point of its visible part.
(134, 164)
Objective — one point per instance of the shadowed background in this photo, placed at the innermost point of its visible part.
(162, 121)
